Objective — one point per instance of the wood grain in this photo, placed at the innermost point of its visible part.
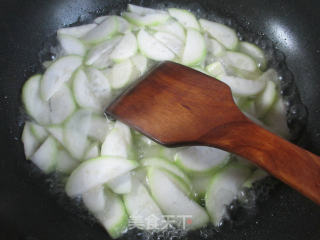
(178, 106)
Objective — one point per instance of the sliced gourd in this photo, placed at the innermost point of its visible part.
(91, 89)
(46, 64)
(30, 142)
(270, 75)
(118, 142)
(78, 31)
(38, 131)
(240, 61)
(257, 175)
(276, 119)
(200, 185)
(97, 171)
(101, 19)
(123, 25)
(201, 160)
(45, 157)
(99, 128)
(126, 48)
(99, 55)
(249, 107)
(243, 87)
(82, 92)
(114, 217)
(225, 35)
(172, 27)
(215, 48)
(141, 174)
(61, 105)
(57, 74)
(150, 151)
(140, 62)
(180, 183)
(93, 151)
(195, 48)
(57, 132)
(255, 52)
(142, 10)
(75, 134)
(71, 45)
(103, 31)
(108, 208)
(216, 69)
(224, 189)
(141, 207)
(169, 166)
(152, 48)
(94, 199)
(126, 132)
(121, 184)
(65, 163)
(173, 201)
(171, 42)
(266, 99)
(33, 103)
(200, 69)
(99, 86)
(150, 19)
(185, 18)
(145, 140)
(122, 74)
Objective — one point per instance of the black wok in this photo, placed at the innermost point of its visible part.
(29, 211)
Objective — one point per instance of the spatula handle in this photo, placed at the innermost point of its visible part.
(293, 165)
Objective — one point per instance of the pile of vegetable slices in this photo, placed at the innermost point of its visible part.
(123, 177)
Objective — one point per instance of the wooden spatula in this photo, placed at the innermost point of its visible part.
(177, 106)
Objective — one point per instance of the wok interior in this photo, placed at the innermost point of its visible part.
(29, 211)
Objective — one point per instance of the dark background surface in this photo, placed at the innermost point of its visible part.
(29, 211)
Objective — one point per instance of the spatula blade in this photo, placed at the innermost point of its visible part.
(175, 105)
